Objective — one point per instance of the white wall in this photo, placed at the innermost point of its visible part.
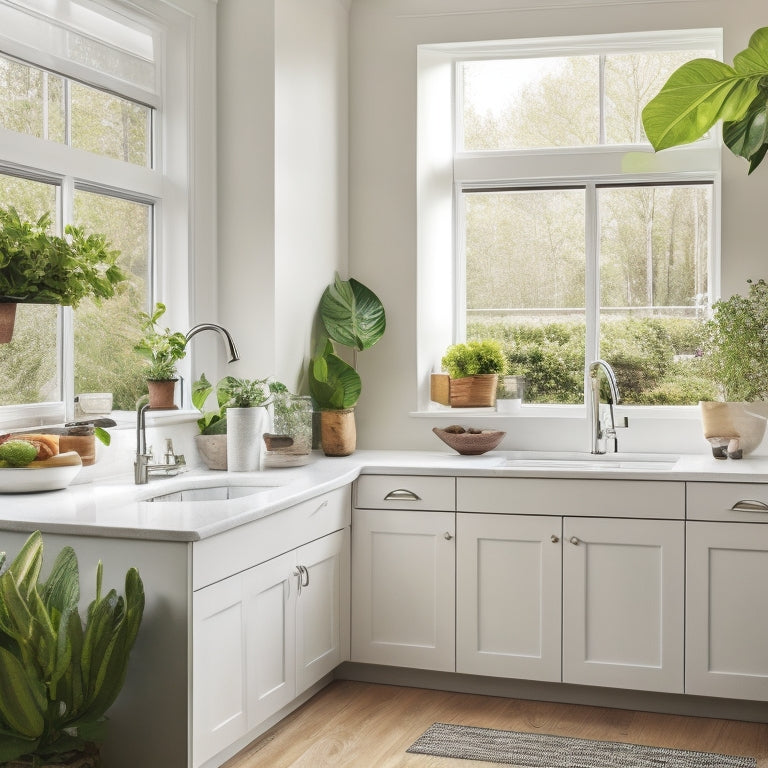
(282, 144)
(384, 35)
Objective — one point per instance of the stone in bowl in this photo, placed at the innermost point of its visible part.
(469, 443)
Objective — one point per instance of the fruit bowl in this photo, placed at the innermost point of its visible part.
(469, 443)
(49, 475)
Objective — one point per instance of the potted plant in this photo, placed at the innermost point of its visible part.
(735, 355)
(63, 673)
(353, 316)
(473, 370)
(162, 348)
(703, 91)
(245, 402)
(37, 267)
(290, 443)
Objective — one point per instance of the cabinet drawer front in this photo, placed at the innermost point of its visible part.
(406, 492)
(729, 502)
(235, 550)
(586, 498)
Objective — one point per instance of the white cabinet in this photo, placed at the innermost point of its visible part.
(508, 590)
(403, 560)
(727, 570)
(623, 599)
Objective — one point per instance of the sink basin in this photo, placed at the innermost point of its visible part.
(214, 493)
(592, 462)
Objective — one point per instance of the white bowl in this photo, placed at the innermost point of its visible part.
(35, 479)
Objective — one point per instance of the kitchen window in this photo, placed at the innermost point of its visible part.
(571, 240)
(91, 135)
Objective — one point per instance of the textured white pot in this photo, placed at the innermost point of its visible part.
(245, 444)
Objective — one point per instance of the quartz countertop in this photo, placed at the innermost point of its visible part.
(116, 507)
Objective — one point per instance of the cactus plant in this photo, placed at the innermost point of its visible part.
(59, 675)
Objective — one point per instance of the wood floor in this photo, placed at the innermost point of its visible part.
(362, 725)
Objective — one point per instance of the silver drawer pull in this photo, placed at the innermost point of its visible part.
(749, 505)
(402, 494)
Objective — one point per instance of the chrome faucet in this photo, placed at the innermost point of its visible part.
(142, 466)
(603, 432)
(223, 332)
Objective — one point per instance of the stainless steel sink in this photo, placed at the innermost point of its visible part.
(213, 493)
(591, 462)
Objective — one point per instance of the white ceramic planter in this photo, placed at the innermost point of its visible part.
(245, 444)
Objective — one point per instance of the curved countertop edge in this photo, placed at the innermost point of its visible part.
(116, 508)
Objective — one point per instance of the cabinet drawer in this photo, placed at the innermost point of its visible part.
(406, 492)
(584, 498)
(729, 502)
(247, 545)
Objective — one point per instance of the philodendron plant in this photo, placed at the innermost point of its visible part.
(703, 91)
(230, 393)
(352, 316)
(58, 675)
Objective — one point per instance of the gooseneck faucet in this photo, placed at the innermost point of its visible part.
(222, 331)
(601, 432)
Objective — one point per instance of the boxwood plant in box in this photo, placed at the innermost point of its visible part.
(37, 267)
(58, 674)
(473, 370)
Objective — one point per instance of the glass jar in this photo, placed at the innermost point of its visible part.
(290, 442)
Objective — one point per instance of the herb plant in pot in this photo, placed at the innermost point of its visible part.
(352, 316)
(245, 402)
(212, 440)
(162, 348)
(64, 673)
(37, 267)
(473, 370)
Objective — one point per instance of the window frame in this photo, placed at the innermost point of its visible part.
(444, 171)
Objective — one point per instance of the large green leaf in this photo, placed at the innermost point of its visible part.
(24, 700)
(352, 314)
(333, 383)
(703, 91)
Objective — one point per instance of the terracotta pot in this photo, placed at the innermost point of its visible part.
(7, 321)
(338, 436)
(161, 393)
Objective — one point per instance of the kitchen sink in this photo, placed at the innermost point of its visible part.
(591, 462)
(213, 493)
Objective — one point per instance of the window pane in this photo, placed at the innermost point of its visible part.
(531, 103)
(31, 101)
(105, 335)
(109, 125)
(29, 363)
(631, 81)
(654, 252)
(525, 276)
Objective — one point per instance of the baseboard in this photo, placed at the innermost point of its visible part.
(564, 693)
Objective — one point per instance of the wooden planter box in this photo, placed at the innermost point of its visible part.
(469, 392)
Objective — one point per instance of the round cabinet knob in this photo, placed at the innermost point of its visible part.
(554, 539)
(574, 540)
(447, 535)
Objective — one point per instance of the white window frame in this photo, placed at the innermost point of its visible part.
(443, 171)
(183, 154)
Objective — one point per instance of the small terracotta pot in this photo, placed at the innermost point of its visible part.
(338, 435)
(7, 321)
(161, 393)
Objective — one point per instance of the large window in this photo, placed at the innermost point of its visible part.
(572, 240)
(83, 124)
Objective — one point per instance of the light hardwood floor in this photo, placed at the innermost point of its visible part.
(362, 725)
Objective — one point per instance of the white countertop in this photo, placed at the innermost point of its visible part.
(117, 508)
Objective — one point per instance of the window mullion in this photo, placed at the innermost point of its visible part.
(592, 274)
(66, 314)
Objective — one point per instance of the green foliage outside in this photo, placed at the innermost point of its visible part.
(642, 352)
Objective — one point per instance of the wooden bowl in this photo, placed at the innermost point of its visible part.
(470, 443)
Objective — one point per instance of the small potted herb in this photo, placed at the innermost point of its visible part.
(472, 373)
(37, 267)
(162, 348)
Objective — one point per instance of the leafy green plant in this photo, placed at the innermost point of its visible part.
(58, 675)
(474, 357)
(230, 393)
(352, 316)
(736, 351)
(38, 267)
(162, 347)
(703, 91)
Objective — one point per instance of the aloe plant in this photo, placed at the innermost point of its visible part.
(703, 91)
(59, 675)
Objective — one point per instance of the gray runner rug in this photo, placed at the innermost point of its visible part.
(538, 750)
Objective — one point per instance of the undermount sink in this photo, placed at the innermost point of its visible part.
(591, 462)
(214, 493)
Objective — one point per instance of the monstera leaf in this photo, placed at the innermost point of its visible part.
(703, 91)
